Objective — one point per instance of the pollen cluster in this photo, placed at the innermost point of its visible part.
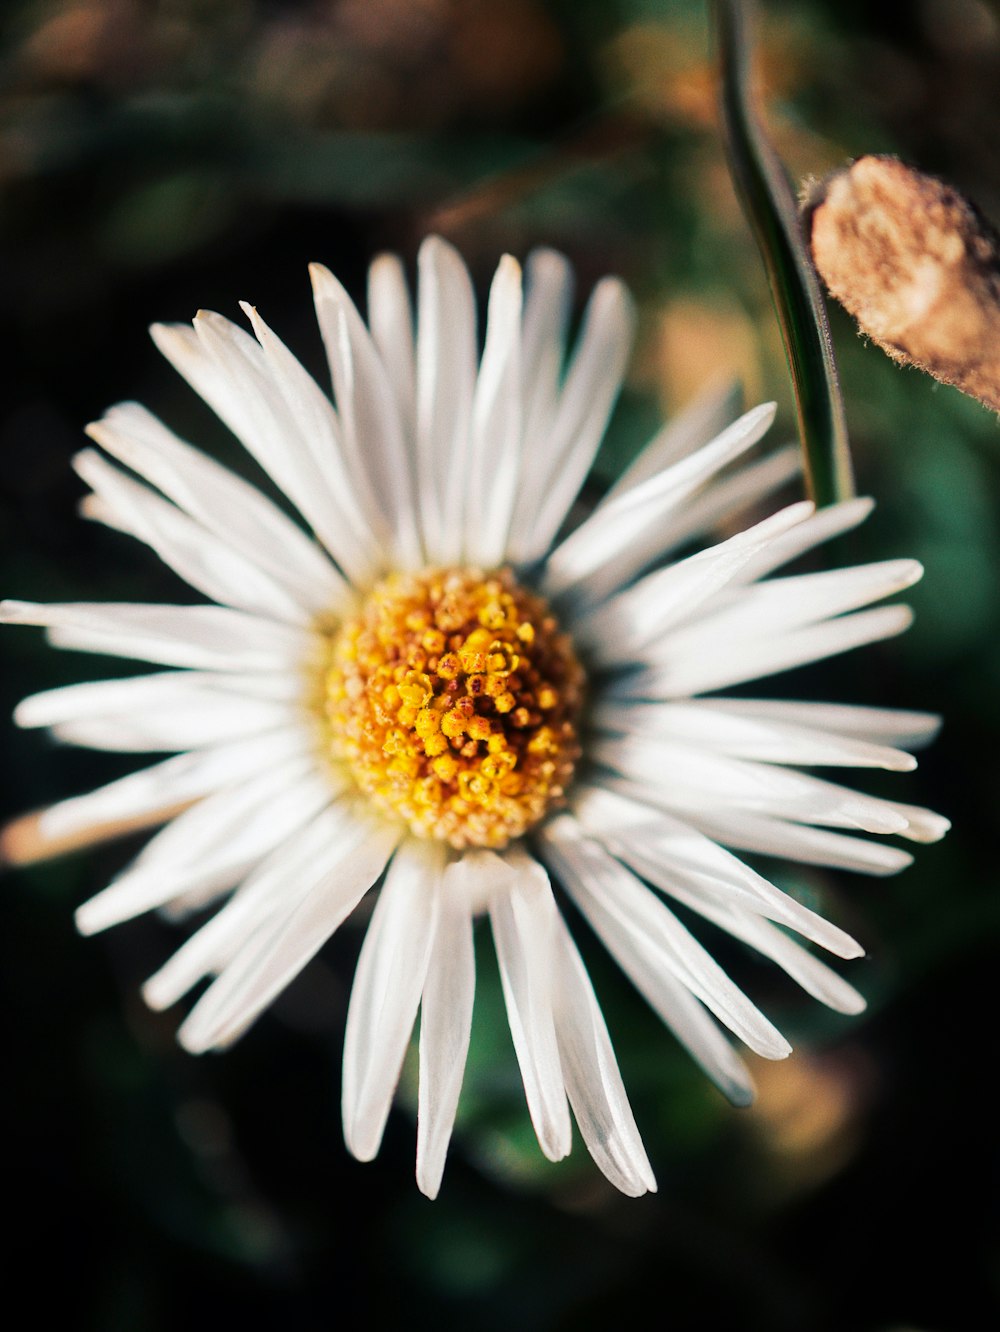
(453, 699)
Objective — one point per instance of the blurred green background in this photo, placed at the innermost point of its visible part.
(159, 157)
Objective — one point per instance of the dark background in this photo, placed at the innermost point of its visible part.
(159, 157)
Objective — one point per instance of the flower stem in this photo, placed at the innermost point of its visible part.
(771, 211)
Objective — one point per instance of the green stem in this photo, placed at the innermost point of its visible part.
(771, 211)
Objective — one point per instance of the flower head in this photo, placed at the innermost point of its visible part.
(442, 684)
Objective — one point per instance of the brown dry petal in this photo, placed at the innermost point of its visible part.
(24, 841)
(918, 267)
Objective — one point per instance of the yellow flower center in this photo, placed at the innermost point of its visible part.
(453, 699)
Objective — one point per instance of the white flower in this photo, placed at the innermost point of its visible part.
(366, 702)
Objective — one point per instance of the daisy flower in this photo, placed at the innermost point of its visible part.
(441, 680)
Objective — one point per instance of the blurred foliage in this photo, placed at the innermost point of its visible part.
(157, 157)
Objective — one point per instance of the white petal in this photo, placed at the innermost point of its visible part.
(446, 377)
(232, 373)
(819, 980)
(388, 983)
(795, 841)
(265, 423)
(715, 509)
(196, 727)
(208, 848)
(695, 672)
(261, 971)
(922, 825)
(630, 919)
(182, 347)
(195, 554)
(348, 520)
(730, 731)
(371, 428)
(705, 417)
(445, 1026)
(662, 848)
(622, 629)
(170, 719)
(523, 916)
(175, 781)
(220, 501)
(265, 898)
(494, 465)
(626, 534)
(891, 726)
(209, 637)
(548, 297)
(695, 1028)
(689, 1022)
(829, 522)
(164, 693)
(593, 1082)
(682, 777)
(556, 463)
(390, 318)
(786, 604)
(242, 820)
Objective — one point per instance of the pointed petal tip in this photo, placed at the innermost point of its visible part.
(902, 860)
(192, 1041)
(930, 828)
(24, 714)
(836, 941)
(428, 1182)
(434, 246)
(82, 459)
(210, 321)
(553, 1150)
(643, 1179)
(883, 823)
(361, 1147)
(612, 291)
(894, 760)
(88, 921)
(324, 283)
(636, 1186)
(165, 333)
(739, 1096)
(776, 1049)
(153, 997)
(95, 916)
(910, 572)
(545, 257)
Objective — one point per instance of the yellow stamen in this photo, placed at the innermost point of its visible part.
(434, 695)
